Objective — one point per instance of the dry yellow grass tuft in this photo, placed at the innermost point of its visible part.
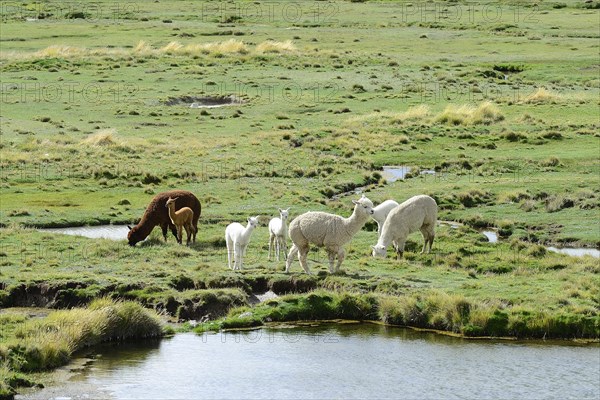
(542, 96)
(104, 137)
(485, 113)
(271, 46)
(417, 113)
(231, 46)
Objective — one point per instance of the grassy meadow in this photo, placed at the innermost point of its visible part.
(500, 99)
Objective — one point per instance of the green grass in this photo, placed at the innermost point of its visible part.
(504, 109)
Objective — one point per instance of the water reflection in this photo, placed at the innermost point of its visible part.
(341, 361)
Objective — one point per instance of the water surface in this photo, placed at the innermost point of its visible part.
(336, 361)
(113, 232)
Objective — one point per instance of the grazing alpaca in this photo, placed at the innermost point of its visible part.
(278, 233)
(237, 238)
(416, 213)
(181, 218)
(326, 230)
(157, 214)
(381, 212)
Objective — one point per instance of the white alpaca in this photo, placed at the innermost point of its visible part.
(416, 213)
(237, 238)
(381, 212)
(326, 230)
(278, 233)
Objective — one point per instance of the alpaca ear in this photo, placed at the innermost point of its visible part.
(128, 227)
(280, 210)
(373, 247)
(355, 202)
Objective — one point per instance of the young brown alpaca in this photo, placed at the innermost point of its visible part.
(181, 218)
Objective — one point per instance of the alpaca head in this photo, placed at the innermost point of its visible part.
(378, 250)
(170, 201)
(252, 222)
(133, 236)
(363, 205)
(284, 214)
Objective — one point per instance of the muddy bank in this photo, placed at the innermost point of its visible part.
(183, 298)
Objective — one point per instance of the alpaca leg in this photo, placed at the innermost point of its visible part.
(431, 237)
(236, 255)
(303, 259)
(400, 248)
(285, 249)
(188, 232)
(271, 238)
(229, 251)
(290, 257)
(277, 247)
(194, 231)
(164, 227)
(341, 255)
(179, 233)
(173, 231)
(425, 238)
(242, 255)
(331, 256)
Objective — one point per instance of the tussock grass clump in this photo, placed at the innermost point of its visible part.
(542, 96)
(50, 342)
(231, 46)
(473, 198)
(271, 46)
(413, 114)
(142, 48)
(550, 162)
(485, 113)
(104, 137)
(556, 203)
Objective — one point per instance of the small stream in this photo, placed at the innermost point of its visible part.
(113, 232)
(342, 361)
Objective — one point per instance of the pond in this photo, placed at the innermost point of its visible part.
(348, 361)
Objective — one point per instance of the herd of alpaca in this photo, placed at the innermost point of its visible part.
(330, 231)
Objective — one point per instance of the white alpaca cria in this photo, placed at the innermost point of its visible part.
(416, 213)
(237, 238)
(381, 212)
(326, 230)
(278, 233)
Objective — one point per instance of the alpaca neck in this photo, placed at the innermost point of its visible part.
(284, 231)
(355, 222)
(145, 227)
(247, 232)
(386, 238)
(172, 213)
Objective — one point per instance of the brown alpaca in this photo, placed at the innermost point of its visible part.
(157, 214)
(181, 218)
